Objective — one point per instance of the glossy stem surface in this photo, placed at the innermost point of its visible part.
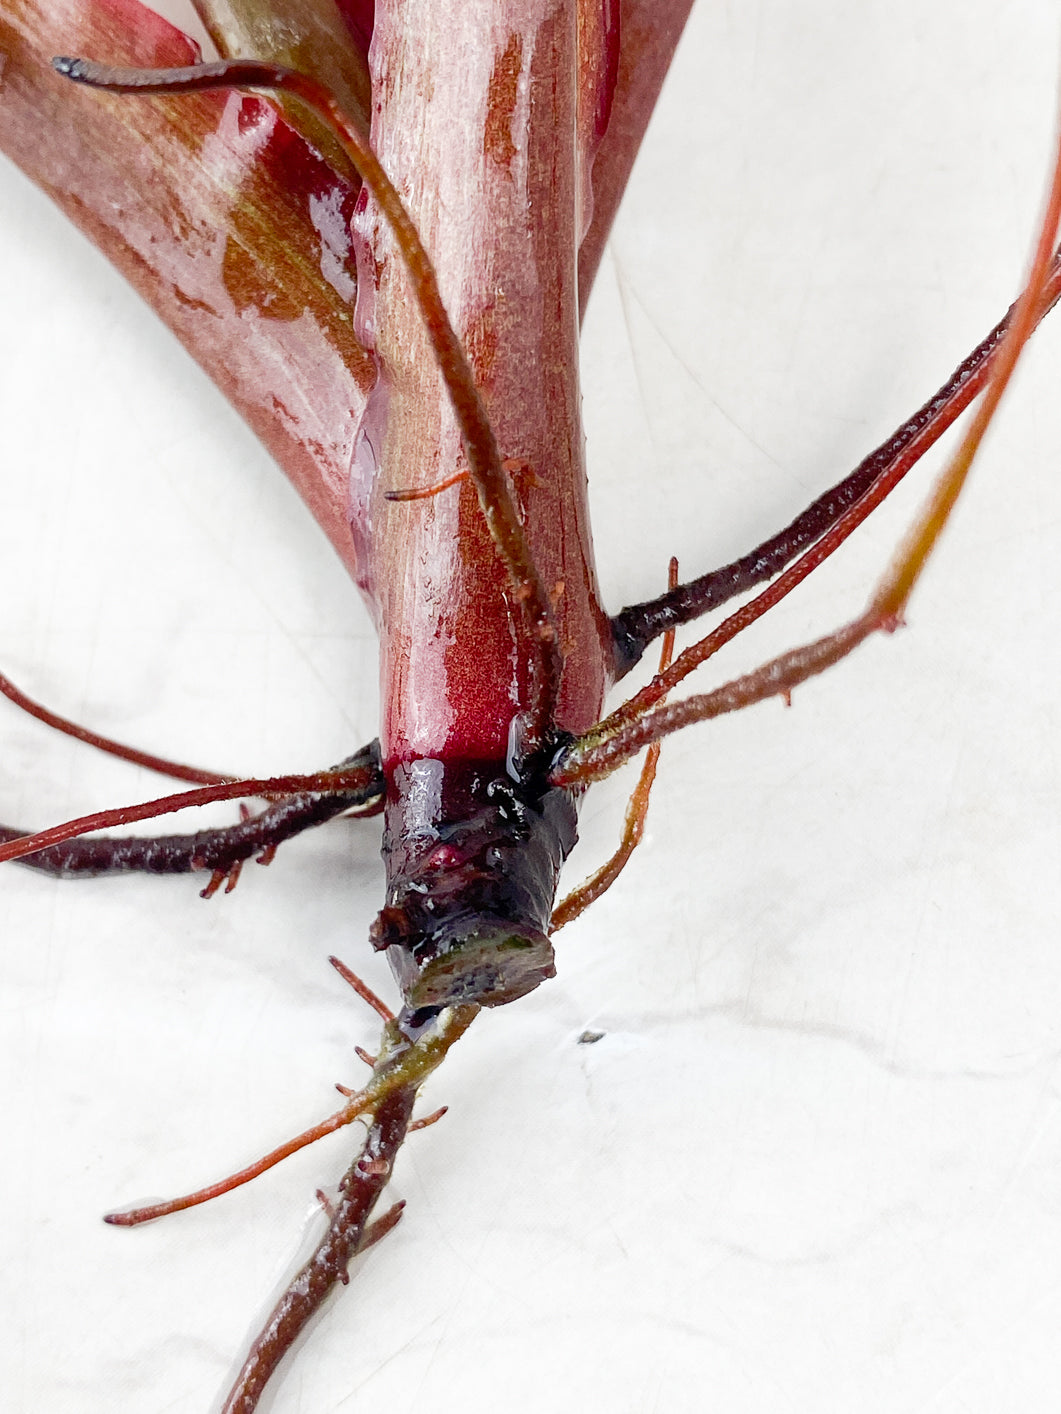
(537, 641)
(478, 121)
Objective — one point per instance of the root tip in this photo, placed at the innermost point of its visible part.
(79, 70)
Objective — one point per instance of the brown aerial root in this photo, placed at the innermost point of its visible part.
(347, 1234)
(363, 990)
(823, 525)
(217, 851)
(318, 782)
(945, 407)
(424, 493)
(428, 1120)
(377, 1230)
(498, 505)
(401, 1065)
(613, 741)
(176, 769)
(229, 877)
(599, 882)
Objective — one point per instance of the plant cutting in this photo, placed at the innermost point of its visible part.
(797, 699)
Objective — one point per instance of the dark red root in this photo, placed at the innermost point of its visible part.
(192, 774)
(377, 1229)
(347, 1234)
(228, 877)
(218, 851)
(636, 626)
(912, 449)
(363, 990)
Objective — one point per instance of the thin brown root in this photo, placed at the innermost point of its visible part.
(363, 990)
(319, 782)
(538, 637)
(424, 493)
(401, 1063)
(591, 889)
(133, 1217)
(192, 774)
(404, 1065)
(592, 758)
(347, 1234)
(930, 423)
(635, 626)
(605, 747)
(429, 1120)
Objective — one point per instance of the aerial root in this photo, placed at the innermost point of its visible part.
(497, 503)
(429, 1120)
(363, 990)
(341, 780)
(423, 493)
(606, 746)
(401, 1064)
(229, 877)
(601, 881)
(192, 774)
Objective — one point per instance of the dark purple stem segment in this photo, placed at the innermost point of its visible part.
(359, 1190)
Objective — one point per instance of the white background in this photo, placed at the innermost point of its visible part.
(815, 1163)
